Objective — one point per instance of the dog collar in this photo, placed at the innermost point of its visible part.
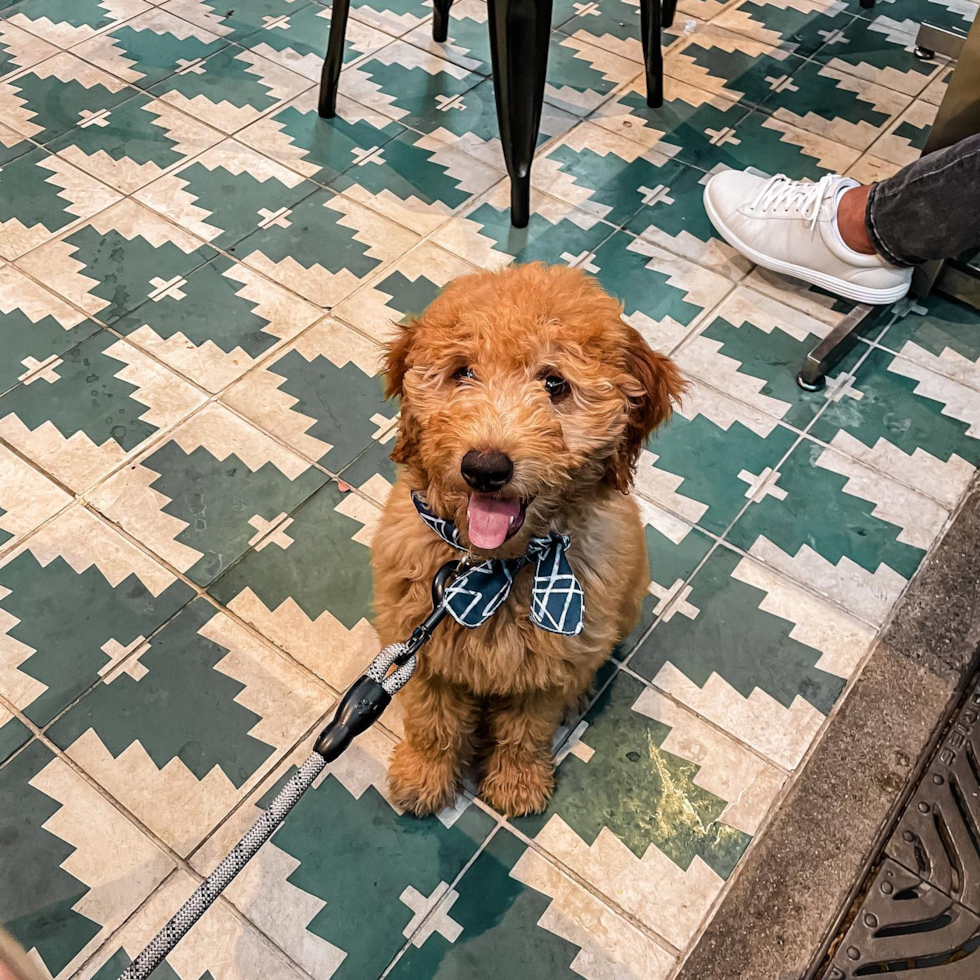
(557, 601)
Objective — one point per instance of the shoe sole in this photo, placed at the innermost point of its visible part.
(840, 287)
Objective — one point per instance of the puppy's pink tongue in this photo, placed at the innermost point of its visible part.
(490, 520)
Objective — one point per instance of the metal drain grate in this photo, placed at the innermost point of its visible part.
(921, 917)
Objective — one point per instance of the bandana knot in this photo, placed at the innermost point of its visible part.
(557, 601)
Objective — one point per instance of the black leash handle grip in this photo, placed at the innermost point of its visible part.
(367, 698)
(358, 710)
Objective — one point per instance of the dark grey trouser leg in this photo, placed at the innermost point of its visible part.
(929, 209)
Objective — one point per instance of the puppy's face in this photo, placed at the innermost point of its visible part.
(520, 390)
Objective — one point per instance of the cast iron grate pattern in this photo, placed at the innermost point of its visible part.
(921, 917)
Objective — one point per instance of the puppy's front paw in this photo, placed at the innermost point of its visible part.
(517, 786)
(418, 783)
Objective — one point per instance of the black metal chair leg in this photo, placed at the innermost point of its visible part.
(519, 32)
(334, 61)
(653, 56)
(867, 4)
(440, 19)
(669, 9)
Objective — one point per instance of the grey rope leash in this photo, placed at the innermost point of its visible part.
(358, 710)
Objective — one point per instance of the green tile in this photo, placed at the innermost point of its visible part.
(102, 608)
(13, 734)
(297, 39)
(98, 404)
(182, 707)
(239, 21)
(501, 927)
(57, 95)
(324, 569)
(321, 149)
(67, 22)
(366, 867)
(910, 422)
(879, 50)
(760, 655)
(819, 509)
(230, 89)
(35, 326)
(800, 29)
(151, 47)
(134, 143)
(705, 463)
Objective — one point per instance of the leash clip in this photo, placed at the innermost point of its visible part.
(423, 632)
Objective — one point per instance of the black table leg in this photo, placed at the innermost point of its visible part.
(519, 32)
(334, 61)
(440, 19)
(653, 56)
(669, 9)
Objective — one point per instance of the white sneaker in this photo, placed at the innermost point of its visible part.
(790, 226)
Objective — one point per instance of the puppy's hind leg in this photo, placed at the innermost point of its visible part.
(428, 763)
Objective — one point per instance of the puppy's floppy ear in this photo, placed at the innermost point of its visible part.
(653, 383)
(394, 362)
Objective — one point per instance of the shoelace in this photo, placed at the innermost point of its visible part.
(780, 191)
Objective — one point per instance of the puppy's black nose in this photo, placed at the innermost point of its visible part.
(487, 472)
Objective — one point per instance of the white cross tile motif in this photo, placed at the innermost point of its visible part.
(781, 83)
(656, 195)
(835, 36)
(447, 102)
(98, 118)
(371, 155)
(840, 387)
(263, 527)
(678, 590)
(278, 219)
(585, 258)
(36, 370)
(719, 137)
(758, 488)
(192, 66)
(171, 288)
(586, 9)
(383, 425)
(271, 22)
(116, 653)
(440, 922)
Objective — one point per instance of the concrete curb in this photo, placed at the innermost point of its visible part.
(785, 906)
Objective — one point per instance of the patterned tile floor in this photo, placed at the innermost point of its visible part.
(195, 273)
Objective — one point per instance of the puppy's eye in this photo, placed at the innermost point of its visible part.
(463, 374)
(556, 386)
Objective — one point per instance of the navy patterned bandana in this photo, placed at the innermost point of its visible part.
(557, 602)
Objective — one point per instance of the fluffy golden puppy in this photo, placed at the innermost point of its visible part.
(525, 401)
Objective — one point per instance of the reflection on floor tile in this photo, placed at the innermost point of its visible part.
(633, 815)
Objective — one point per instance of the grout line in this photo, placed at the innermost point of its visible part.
(594, 890)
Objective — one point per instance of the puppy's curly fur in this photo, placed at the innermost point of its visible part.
(493, 697)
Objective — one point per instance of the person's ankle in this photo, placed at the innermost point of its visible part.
(851, 208)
